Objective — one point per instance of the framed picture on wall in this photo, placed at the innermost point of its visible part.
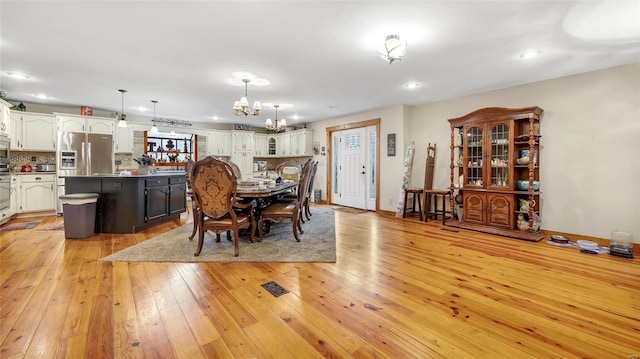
(391, 144)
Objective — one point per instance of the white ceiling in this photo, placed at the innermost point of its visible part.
(319, 56)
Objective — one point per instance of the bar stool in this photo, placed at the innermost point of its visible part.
(417, 198)
(444, 195)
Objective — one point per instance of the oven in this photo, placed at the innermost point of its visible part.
(5, 154)
(5, 177)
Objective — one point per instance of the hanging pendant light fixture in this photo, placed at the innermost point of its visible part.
(241, 107)
(154, 128)
(277, 125)
(122, 122)
(393, 49)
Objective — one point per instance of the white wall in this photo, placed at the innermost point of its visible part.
(391, 121)
(590, 146)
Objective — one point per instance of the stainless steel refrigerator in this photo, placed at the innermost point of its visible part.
(83, 154)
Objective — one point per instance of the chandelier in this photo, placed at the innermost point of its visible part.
(393, 49)
(241, 107)
(122, 122)
(277, 125)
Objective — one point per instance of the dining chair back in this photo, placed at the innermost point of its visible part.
(215, 187)
(307, 198)
(288, 210)
(188, 169)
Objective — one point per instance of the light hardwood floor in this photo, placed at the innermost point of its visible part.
(399, 289)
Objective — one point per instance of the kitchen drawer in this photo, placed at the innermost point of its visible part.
(38, 178)
(155, 182)
(177, 180)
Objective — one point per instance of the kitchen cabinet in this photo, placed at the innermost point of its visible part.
(128, 204)
(219, 143)
(489, 157)
(37, 192)
(177, 195)
(88, 124)
(6, 195)
(260, 145)
(124, 139)
(5, 117)
(15, 194)
(273, 145)
(242, 140)
(156, 198)
(285, 144)
(244, 160)
(302, 143)
(32, 131)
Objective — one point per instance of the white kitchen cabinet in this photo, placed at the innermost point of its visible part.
(273, 143)
(77, 123)
(260, 141)
(15, 195)
(285, 144)
(219, 143)
(124, 139)
(37, 192)
(5, 118)
(244, 160)
(302, 143)
(242, 140)
(32, 131)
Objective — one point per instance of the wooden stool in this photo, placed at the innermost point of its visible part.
(417, 194)
(444, 194)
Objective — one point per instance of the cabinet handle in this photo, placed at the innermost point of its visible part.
(38, 178)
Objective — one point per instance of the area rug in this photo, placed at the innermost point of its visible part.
(57, 227)
(18, 226)
(317, 244)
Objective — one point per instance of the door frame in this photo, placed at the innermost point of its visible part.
(329, 142)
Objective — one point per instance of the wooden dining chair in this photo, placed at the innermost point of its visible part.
(215, 187)
(288, 210)
(188, 169)
(307, 199)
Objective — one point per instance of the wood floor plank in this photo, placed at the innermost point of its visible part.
(400, 288)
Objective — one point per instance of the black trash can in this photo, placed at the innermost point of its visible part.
(79, 211)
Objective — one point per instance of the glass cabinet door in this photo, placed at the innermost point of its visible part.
(500, 156)
(473, 155)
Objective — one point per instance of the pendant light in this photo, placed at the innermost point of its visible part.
(122, 122)
(278, 126)
(154, 128)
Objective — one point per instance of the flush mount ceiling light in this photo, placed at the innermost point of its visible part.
(154, 128)
(122, 121)
(277, 125)
(17, 75)
(412, 85)
(393, 49)
(241, 107)
(530, 54)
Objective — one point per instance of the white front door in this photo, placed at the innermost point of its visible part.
(350, 168)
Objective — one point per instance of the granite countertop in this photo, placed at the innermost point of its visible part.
(121, 175)
(33, 173)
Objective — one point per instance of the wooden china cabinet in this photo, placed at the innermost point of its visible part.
(495, 159)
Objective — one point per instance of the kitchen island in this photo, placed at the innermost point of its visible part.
(131, 203)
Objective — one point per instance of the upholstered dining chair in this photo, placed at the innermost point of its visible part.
(288, 210)
(188, 169)
(215, 187)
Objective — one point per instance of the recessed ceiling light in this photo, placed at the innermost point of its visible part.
(412, 85)
(215, 117)
(142, 109)
(295, 117)
(530, 54)
(17, 75)
(42, 96)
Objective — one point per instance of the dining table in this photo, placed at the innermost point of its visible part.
(264, 196)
